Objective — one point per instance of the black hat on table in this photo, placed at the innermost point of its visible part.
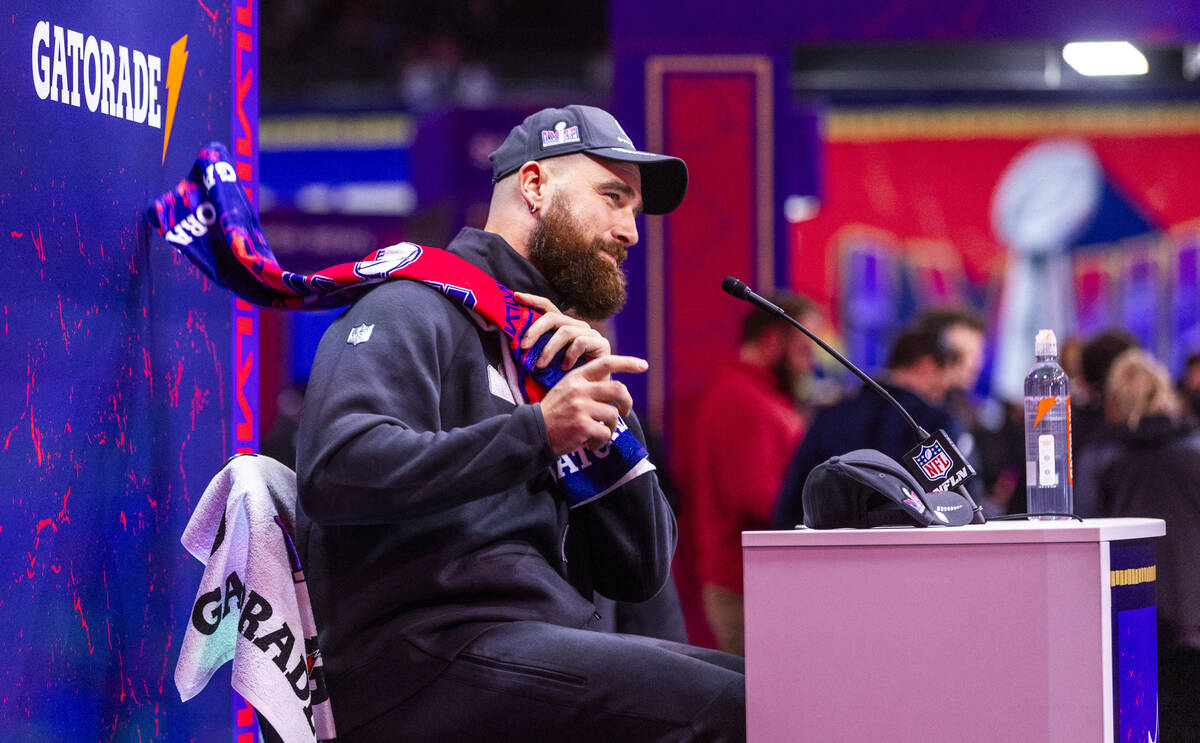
(561, 131)
(866, 488)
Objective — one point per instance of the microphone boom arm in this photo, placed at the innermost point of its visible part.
(738, 289)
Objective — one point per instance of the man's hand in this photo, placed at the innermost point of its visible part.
(583, 407)
(579, 338)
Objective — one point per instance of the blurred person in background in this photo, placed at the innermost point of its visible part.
(1000, 442)
(1070, 358)
(1155, 473)
(1096, 357)
(961, 332)
(1189, 384)
(919, 375)
(746, 428)
(1093, 439)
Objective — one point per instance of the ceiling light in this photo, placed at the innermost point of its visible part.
(1093, 58)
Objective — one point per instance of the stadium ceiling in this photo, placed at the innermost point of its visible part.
(1000, 68)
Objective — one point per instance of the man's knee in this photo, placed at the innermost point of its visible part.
(723, 720)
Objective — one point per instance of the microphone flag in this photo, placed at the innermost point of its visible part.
(937, 463)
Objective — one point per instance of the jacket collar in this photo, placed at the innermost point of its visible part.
(492, 253)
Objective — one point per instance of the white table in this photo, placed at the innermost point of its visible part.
(1006, 631)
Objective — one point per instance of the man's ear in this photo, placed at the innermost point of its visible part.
(531, 183)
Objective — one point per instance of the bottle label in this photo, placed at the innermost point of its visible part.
(1070, 446)
(1047, 477)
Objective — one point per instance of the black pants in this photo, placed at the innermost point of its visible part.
(530, 681)
(1178, 694)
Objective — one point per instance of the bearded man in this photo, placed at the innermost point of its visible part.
(452, 582)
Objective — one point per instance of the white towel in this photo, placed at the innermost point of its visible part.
(252, 604)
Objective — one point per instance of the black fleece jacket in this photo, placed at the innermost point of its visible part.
(426, 509)
(1154, 472)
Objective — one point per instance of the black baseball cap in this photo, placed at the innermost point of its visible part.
(866, 488)
(561, 131)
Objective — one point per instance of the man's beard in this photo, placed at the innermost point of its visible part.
(592, 286)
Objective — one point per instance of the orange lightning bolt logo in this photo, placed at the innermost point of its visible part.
(1045, 405)
(175, 67)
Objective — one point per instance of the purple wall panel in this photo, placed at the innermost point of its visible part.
(116, 365)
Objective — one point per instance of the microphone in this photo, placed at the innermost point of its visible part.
(737, 288)
(937, 453)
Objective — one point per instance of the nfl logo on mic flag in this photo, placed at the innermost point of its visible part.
(933, 461)
(937, 463)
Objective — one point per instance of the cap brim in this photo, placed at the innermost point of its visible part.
(664, 178)
(949, 508)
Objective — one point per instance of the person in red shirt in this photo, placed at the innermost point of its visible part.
(747, 426)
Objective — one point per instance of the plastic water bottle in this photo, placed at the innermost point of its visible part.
(1048, 432)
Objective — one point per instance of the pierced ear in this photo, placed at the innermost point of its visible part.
(531, 181)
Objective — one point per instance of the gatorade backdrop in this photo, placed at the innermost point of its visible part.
(126, 378)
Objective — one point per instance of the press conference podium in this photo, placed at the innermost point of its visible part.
(1007, 631)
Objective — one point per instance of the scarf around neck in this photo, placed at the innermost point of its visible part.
(208, 218)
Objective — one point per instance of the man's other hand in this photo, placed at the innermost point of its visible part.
(579, 338)
(584, 406)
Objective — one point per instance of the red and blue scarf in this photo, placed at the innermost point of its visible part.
(208, 218)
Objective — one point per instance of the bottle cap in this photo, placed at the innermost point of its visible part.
(1045, 344)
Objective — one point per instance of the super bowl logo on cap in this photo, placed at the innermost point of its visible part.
(933, 461)
(560, 135)
(912, 500)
